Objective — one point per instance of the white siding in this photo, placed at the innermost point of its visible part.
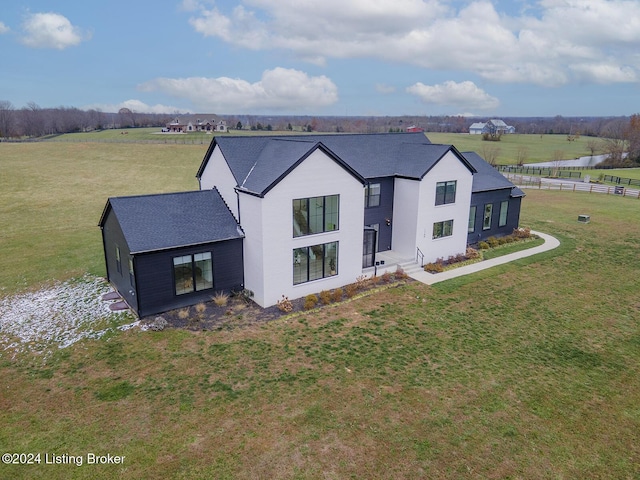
(406, 194)
(268, 225)
(448, 168)
(217, 174)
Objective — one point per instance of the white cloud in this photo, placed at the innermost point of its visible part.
(135, 106)
(279, 89)
(50, 30)
(382, 88)
(4, 28)
(546, 45)
(463, 95)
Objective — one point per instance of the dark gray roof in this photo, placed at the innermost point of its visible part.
(171, 220)
(489, 178)
(258, 162)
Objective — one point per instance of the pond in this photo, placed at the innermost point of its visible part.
(589, 161)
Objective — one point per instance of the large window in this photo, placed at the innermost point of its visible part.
(504, 209)
(472, 219)
(118, 260)
(315, 215)
(445, 192)
(372, 195)
(193, 273)
(315, 262)
(486, 219)
(443, 229)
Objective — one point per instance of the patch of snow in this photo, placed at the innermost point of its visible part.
(60, 315)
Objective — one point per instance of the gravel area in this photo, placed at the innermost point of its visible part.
(58, 316)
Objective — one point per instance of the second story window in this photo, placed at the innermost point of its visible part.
(445, 192)
(315, 215)
(372, 195)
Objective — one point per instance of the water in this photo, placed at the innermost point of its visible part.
(590, 161)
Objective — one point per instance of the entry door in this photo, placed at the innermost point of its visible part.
(369, 247)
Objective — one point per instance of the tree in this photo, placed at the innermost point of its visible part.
(7, 119)
(521, 155)
(615, 142)
(633, 137)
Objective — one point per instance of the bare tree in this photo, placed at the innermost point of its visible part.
(615, 142)
(556, 162)
(7, 119)
(490, 153)
(521, 155)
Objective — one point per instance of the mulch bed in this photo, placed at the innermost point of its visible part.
(241, 312)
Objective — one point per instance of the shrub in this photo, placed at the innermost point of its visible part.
(336, 295)
(374, 280)
(325, 297)
(400, 274)
(502, 240)
(483, 245)
(183, 313)
(310, 301)
(200, 308)
(434, 267)
(361, 282)
(351, 289)
(220, 298)
(385, 277)
(472, 253)
(492, 241)
(522, 232)
(284, 304)
(509, 239)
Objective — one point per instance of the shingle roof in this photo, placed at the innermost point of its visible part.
(258, 162)
(488, 178)
(171, 220)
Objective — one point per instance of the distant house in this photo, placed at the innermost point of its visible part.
(414, 129)
(476, 128)
(493, 127)
(294, 215)
(195, 123)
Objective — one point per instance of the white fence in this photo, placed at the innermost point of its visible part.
(552, 184)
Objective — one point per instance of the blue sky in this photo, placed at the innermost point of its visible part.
(325, 57)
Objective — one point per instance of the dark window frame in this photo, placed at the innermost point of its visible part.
(504, 213)
(446, 192)
(487, 214)
(442, 229)
(301, 257)
(372, 200)
(194, 286)
(304, 224)
(473, 211)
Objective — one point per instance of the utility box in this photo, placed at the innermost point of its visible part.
(584, 218)
(619, 191)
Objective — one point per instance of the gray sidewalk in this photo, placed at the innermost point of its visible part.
(430, 278)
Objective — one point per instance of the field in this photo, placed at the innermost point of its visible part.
(528, 370)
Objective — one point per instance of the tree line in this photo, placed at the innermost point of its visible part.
(622, 133)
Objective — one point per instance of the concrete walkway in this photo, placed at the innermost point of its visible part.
(430, 278)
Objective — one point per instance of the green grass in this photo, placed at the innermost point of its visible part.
(526, 370)
(540, 148)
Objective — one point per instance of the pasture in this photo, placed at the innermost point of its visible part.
(528, 370)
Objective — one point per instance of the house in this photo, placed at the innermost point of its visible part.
(171, 250)
(195, 123)
(294, 215)
(414, 128)
(306, 203)
(476, 128)
(493, 127)
(495, 202)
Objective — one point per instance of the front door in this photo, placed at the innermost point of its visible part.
(369, 247)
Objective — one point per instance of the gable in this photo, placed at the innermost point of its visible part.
(172, 220)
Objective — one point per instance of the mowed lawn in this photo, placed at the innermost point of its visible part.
(528, 370)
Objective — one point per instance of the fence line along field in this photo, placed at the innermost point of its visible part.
(527, 370)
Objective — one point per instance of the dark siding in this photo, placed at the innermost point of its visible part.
(495, 197)
(111, 236)
(381, 213)
(154, 276)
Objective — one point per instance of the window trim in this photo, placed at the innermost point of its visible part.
(326, 261)
(368, 196)
(118, 260)
(443, 229)
(484, 216)
(473, 211)
(194, 284)
(448, 197)
(504, 213)
(307, 226)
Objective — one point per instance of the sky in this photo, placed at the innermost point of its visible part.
(324, 57)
